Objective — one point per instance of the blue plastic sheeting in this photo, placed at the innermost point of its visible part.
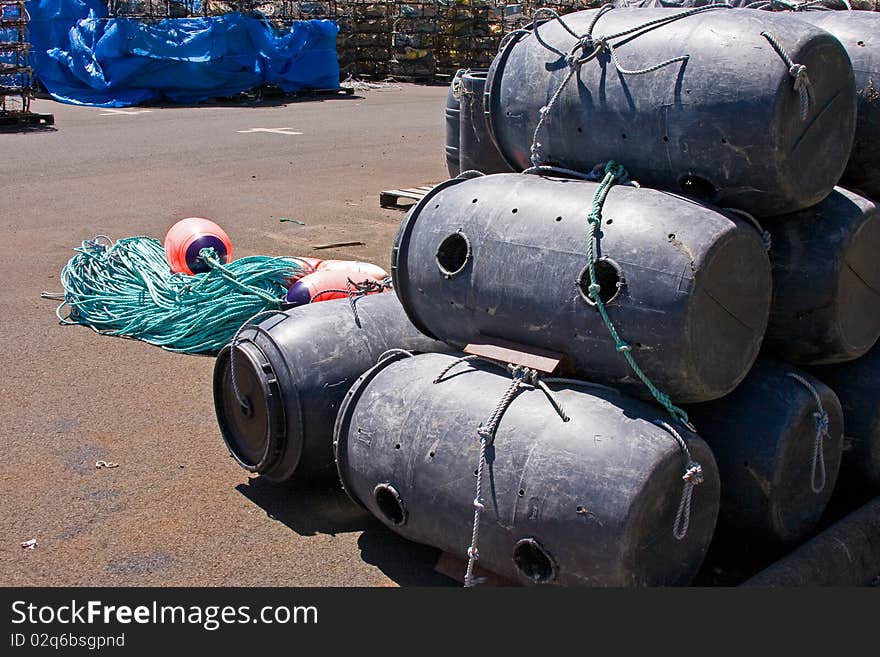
(86, 58)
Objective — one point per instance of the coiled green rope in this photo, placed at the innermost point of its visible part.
(127, 288)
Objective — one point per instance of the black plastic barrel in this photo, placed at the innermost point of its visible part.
(859, 32)
(826, 280)
(857, 384)
(774, 486)
(453, 117)
(477, 151)
(591, 501)
(292, 371)
(725, 125)
(504, 256)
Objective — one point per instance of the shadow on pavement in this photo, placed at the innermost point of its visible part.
(323, 508)
(307, 508)
(403, 562)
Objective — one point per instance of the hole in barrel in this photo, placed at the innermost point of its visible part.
(697, 187)
(608, 278)
(533, 561)
(453, 254)
(389, 503)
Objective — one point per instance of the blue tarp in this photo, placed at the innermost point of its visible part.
(86, 58)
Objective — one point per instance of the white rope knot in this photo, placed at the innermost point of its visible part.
(802, 85)
(693, 475)
(473, 553)
(478, 504)
(822, 421)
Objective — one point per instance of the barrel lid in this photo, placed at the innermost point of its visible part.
(250, 412)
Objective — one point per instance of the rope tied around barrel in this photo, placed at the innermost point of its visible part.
(797, 72)
(692, 477)
(797, 6)
(613, 172)
(590, 47)
(821, 421)
(355, 291)
(522, 377)
(456, 82)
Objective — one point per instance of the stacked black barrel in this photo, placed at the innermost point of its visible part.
(653, 312)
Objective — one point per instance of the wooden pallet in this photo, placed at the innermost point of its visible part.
(12, 120)
(403, 199)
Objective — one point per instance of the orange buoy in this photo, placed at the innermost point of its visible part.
(326, 284)
(188, 237)
(366, 268)
(313, 263)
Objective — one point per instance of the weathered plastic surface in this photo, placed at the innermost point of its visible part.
(477, 151)
(763, 436)
(293, 370)
(859, 32)
(588, 502)
(826, 280)
(857, 384)
(724, 126)
(453, 114)
(504, 256)
(845, 554)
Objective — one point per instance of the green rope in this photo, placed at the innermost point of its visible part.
(613, 173)
(126, 288)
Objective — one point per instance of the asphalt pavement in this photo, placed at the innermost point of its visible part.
(178, 510)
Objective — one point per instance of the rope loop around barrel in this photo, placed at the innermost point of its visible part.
(589, 46)
(521, 377)
(797, 72)
(355, 291)
(692, 477)
(821, 422)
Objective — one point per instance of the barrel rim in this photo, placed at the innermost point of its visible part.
(345, 413)
(399, 253)
(276, 426)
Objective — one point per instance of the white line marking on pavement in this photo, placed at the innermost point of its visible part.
(274, 131)
(110, 111)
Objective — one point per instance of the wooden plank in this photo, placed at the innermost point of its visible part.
(335, 245)
(504, 351)
(391, 198)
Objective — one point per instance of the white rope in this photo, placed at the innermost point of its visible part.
(486, 432)
(523, 377)
(821, 421)
(692, 477)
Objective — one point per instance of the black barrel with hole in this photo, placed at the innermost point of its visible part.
(826, 280)
(857, 384)
(292, 371)
(477, 151)
(504, 256)
(452, 123)
(588, 502)
(724, 124)
(763, 435)
(859, 32)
